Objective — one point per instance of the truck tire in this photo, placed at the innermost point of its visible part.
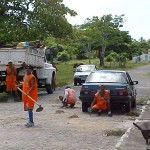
(75, 83)
(50, 88)
(2, 88)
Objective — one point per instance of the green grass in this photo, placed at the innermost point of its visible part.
(141, 101)
(65, 69)
(3, 97)
(64, 74)
(118, 132)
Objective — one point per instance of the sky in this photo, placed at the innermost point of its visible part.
(137, 13)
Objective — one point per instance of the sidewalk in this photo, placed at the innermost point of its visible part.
(133, 139)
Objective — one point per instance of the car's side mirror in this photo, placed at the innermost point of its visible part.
(134, 82)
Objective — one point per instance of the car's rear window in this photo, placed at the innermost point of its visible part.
(107, 77)
(85, 68)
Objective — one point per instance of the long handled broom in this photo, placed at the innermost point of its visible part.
(40, 107)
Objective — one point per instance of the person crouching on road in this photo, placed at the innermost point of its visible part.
(30, 88)
(69, 97)
(102, 101)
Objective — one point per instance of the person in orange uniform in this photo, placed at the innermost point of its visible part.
(30, 88)
(11, 75)
(102, 101)
(69, 97)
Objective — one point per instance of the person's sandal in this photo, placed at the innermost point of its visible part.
(99, 112)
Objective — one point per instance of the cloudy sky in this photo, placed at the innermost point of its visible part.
(137, 13)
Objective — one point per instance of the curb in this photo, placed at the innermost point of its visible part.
(126, 135)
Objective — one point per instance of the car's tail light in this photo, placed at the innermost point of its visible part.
(122, 92)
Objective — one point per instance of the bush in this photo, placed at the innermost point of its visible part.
(63, 56)
(109, 58)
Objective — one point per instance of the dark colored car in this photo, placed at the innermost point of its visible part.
(119, 83)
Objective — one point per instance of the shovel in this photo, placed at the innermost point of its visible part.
(40, 107)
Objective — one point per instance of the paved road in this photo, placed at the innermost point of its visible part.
(142, 74)
(65, 129)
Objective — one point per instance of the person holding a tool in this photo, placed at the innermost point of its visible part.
(69, 97)
(11, 75)
(29, 90)
(101, 101)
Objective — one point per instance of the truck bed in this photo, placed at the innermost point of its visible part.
(30, 56)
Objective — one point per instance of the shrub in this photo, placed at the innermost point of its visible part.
(63, 56)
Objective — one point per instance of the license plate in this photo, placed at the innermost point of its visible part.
(85, 92)
(82, 78)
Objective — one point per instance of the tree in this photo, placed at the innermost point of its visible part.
(34, 19)
(103, 32)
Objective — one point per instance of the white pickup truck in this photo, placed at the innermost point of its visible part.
(44, 72)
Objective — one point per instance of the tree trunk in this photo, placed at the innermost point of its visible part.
(101, 56)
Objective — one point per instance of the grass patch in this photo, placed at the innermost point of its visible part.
(64, 74)
(148, 74)
(141, 102)
(118, 132)
(134, 113)
(3, 97)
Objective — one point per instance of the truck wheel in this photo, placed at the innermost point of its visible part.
(2, 88)
(75, 83)
(49, 88)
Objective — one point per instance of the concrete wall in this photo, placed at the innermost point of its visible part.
(142, 58)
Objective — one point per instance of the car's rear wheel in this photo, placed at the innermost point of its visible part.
(133, 104)
(84, 107)
(128, 107)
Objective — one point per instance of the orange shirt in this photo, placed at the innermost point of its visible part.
(28, 103)
(12, 75)
(101, 101)
(71, 97)
(98, 98)
(11, 79)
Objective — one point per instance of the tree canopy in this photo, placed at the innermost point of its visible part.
(33, 19)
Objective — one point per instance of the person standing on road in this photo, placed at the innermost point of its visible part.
(69, 97)
(102, 101)
(30, 88)
(11, 76)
